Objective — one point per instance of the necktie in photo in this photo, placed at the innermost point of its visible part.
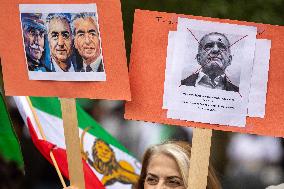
(89, 69)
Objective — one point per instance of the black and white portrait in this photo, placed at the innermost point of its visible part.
(213, 56)
(214, 61)
(208, 72)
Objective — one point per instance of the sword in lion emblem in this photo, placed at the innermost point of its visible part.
(104, 162)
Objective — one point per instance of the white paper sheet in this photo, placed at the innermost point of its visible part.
(169, 62)
(204, 104)
(257, 95)
(258, 89)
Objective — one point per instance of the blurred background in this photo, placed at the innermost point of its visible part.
(242, 161)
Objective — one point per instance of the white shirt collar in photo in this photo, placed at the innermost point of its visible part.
(94, 65)
(58, 69)
(202, 74)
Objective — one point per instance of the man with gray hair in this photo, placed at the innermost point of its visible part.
(214, 56)
(87, 42)
(60, 42)
(34, 34)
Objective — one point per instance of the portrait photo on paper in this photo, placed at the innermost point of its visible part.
(212, 61)
(62, 42)
(208, 78)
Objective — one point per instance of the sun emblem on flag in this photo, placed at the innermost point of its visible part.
(105, 162)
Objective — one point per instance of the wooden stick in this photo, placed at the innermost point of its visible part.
(44, 138)
(71, 133)
(199, 161)
(57, 169)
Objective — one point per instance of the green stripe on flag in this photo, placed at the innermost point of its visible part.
(9, 144)
(51, 105)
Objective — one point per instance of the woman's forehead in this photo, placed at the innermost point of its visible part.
(163, 165)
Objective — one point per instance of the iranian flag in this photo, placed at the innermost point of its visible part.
(106, 163)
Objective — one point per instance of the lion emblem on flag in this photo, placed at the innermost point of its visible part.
(105, 162)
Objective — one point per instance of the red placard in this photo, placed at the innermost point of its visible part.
(147, 74)
(16, 81)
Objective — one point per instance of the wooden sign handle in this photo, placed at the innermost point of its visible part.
(199, 160)
(71, 132)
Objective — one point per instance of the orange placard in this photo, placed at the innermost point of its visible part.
(16, 80)
(147, 74)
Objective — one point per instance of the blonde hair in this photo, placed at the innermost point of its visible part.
(180, 151)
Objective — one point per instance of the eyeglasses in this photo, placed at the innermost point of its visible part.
(170, 182)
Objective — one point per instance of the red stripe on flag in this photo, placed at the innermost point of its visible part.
(91, 180)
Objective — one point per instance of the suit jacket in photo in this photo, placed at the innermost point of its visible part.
(80, 66)
(100, 68)
(191, 81)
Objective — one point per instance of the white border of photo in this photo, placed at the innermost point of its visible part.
(64, 8)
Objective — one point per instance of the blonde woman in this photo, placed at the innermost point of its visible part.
(165, 166)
